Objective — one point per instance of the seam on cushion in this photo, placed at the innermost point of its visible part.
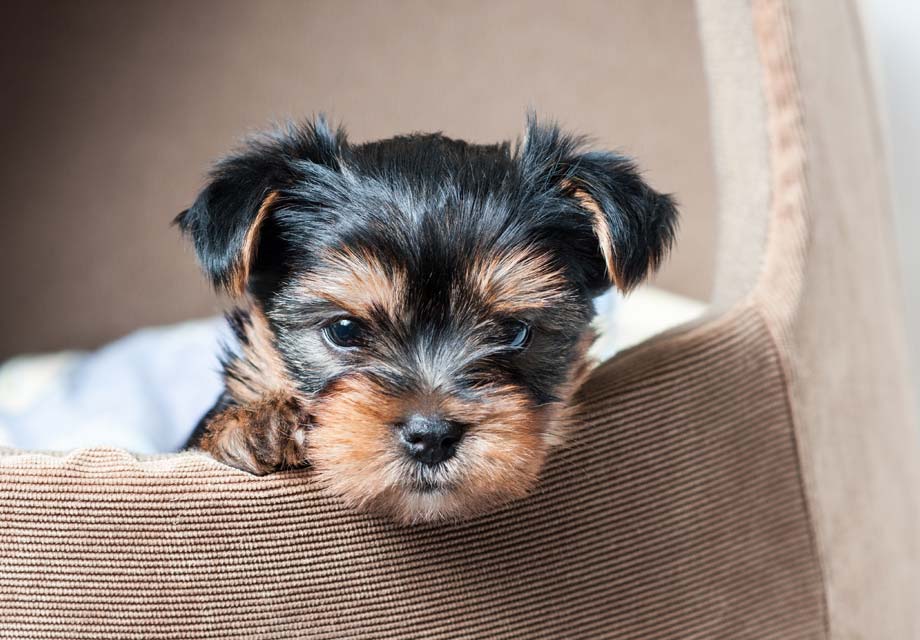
(775, 306)
(805, 484)
(779, 287)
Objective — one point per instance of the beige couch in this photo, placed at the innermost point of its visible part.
(755, 474)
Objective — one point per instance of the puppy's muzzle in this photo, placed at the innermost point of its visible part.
(430, 439)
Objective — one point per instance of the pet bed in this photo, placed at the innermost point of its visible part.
(753, 474)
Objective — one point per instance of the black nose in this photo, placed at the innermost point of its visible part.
(430, 440)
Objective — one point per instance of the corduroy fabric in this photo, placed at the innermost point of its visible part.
(699, 499)
(676, 513)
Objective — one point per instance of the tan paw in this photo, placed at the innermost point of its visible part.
(268, 436)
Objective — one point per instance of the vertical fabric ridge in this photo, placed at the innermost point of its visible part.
(779, 289)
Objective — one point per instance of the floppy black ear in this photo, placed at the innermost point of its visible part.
(230, 222)
(632, 226)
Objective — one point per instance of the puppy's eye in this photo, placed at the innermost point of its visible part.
(344, 332)
(516, 334)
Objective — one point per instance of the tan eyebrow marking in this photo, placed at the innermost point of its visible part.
(358, 282)
(517, 280)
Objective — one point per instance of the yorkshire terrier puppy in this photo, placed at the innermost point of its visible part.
(413, 314)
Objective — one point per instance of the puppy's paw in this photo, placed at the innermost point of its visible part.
(268, 436)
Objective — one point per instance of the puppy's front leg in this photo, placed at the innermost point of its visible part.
(261, 437)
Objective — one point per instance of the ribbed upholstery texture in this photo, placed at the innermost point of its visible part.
(693, 503)
(677, 512)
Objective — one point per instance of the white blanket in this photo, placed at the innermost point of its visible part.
(144, 392)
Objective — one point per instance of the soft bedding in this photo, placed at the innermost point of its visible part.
(143, 393)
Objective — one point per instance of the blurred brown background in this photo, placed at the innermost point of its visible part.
(112, 112)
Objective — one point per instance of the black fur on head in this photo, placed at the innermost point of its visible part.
(463, 276)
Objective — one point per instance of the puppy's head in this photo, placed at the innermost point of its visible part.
(430, 299)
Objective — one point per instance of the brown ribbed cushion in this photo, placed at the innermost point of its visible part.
(676, 513)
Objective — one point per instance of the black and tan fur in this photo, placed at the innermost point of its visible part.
(439, 255)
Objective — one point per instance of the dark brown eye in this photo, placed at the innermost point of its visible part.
(344, 332)
(517, 334)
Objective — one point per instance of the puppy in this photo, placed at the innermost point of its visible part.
(413, 314)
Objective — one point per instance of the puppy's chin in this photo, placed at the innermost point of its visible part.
(356, 454)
